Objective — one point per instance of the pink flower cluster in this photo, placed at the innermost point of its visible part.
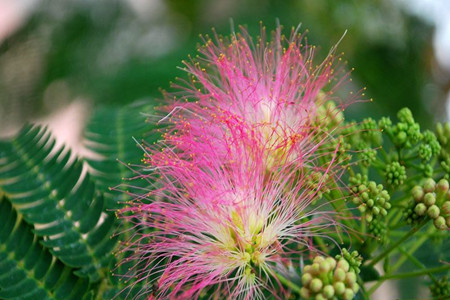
(237, 177)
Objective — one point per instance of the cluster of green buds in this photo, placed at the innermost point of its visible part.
(329, 278)
(342, 156)
(367, 156)
(370, 132)
(372, 199)
(328, 115)
(354, 259)
(429, 147)
(384, 124)
(312, 184)
(364, 137)
(357, 180)
(378, 229)
(433, 200)
(395, 173)
(406, 132)
(440, 289)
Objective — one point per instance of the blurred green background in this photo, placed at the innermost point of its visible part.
(53, 53)
(110, 51)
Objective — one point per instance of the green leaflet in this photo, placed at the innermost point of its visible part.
(109, 134)
(29, 271)
(69, 209)
(48, 187)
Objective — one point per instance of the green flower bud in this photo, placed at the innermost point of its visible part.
(339, 274)
(316, 285)
(439, 223)
(429, 185)
(384, 123)
(324, 266)
(318, 259)
(447, 221)
(433, 211)
(401, 137)
(348, 294)
(417, 193)
(343, 264)
(320, 297)
(304, 293)
(376, 210)
(362, 208)
(339, 287)
(307, 269)
(446, 208)
(365, 196)
(328, 291)
(331, 261)
(355, 288)
(350, 278)
(420, 209)
(429, 199)
(370, 203)
(315, 268)
(405, 115)
(443, 186)
(306, 279)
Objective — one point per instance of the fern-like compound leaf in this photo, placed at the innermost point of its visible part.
(49, 187)
(28, 270)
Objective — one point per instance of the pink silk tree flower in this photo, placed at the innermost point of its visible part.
(275, 87)
(223, 228)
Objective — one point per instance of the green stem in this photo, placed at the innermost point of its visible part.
(399, 263)
(413, 248)
(288, 283)
(413, 178)
(416, 262)
(396, 219)
(335, 196)
(102, 289)
(416, 273)
(395, 245)
(351, 172)
(391, 213)
(321, 243)
(400, 200)
(384, 154)
(378, 164)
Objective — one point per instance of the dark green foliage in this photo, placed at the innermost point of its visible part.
(110, 134)
(28, 270)
(369, 273)
(47, 186)
(62, 244)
